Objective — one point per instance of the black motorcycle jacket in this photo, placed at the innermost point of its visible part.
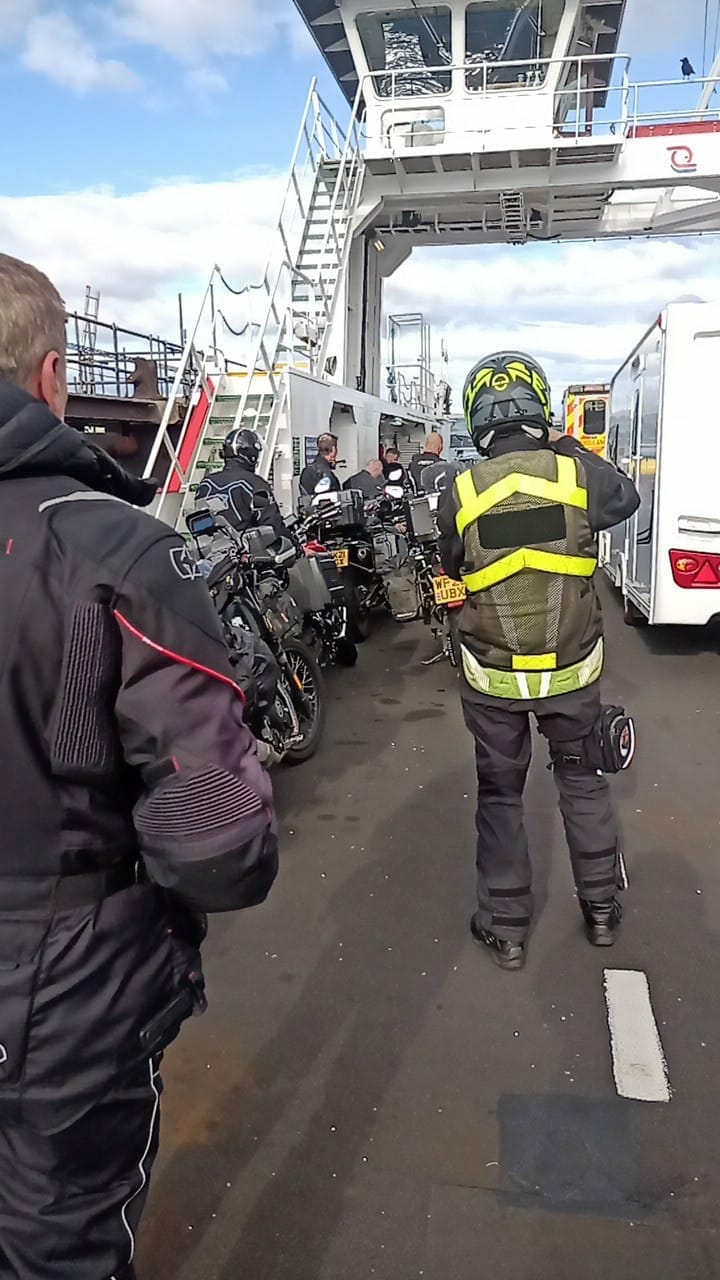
(248, 501)
(317, 478)
(131, 793)
(423, 462)
(437, 477)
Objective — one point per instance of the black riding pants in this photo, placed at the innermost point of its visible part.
(501, 729)
(71, 1201)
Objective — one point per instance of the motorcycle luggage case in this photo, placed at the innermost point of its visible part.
(422, 518)
(402, 594)
(346, 510)
(308, 585)
(332, 576)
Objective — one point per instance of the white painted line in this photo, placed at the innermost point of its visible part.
(639, 1064)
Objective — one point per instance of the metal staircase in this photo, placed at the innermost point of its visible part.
(288, 322)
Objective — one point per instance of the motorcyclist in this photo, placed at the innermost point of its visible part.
(318, 478)
(132, 800)
(393, 470)
(246, 498)
(429, 471)
(370, 482)
(519, 529)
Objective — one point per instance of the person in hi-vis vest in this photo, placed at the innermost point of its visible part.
(519, 529)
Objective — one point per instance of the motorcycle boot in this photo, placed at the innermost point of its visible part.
(601, 921)
(508, 955)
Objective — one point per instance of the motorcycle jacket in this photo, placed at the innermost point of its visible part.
(519, 529)
(246, 499)
(430, 474)
(132, 797)
(318, 478)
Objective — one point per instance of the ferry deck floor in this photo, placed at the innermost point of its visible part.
(369, 1096)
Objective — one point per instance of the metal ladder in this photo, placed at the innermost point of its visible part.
(287, 322)
(513, 216)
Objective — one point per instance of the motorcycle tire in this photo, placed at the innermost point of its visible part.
(359, 620)
(307, 670)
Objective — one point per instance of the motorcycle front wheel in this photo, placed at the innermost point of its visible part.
(307, 689)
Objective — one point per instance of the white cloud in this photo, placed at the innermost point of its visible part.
(206, 81)
(578, 308)
(56, 47)
(14, 17)
(191, 30)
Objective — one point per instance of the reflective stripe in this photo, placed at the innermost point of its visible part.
(539, 684)
(565, 490)
(526, 558)
(534, 662)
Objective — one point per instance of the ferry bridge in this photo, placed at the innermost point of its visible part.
(367, 1095)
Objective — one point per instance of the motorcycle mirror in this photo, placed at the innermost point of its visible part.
(201, 523)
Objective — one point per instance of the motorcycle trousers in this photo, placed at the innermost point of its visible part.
(502, 733)
(71, 1200)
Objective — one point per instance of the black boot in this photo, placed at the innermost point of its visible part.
(508, 955)
(601, 921)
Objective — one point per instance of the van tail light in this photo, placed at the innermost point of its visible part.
(695, 569)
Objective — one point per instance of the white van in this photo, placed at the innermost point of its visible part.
(665, 432)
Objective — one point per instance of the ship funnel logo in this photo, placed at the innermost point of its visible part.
(682, 160)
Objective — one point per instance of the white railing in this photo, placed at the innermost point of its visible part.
(327, 160)
(472, 105)
(285, 320)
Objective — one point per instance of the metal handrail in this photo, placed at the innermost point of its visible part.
(573, 93)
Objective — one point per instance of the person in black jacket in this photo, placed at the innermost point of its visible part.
(247, 500)
(318, 478)
(370, 482)
(520, 530)
(429, 471)
(133, 803)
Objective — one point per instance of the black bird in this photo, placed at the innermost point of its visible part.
(687, 68)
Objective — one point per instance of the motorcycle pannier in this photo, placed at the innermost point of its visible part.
(308, 586)
(402, 593)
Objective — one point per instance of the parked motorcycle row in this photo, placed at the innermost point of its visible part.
(290, 608)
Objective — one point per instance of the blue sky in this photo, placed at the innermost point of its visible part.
(195, 105)
(144, 141)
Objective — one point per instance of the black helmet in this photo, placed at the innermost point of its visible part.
(243, 443)
(505, 392)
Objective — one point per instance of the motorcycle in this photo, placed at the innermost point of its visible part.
(247, 576)
(438, 596)
(340, 524)
(319, 590)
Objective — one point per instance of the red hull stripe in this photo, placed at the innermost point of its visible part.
(177, 657)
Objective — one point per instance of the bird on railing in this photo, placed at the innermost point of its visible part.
(687, 68)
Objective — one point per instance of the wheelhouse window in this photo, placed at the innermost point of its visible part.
(407, 50)
(498, 32)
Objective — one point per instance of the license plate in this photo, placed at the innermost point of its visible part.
(447, 591)
(342, 557)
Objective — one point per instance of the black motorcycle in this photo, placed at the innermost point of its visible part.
(346, 528)
(247, 575)
(439, 597)
(319, 590)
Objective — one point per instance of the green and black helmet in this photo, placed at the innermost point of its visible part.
(505, 392)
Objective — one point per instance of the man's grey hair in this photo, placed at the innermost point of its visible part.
(32, 319)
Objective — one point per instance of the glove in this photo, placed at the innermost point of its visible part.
(109, 477)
